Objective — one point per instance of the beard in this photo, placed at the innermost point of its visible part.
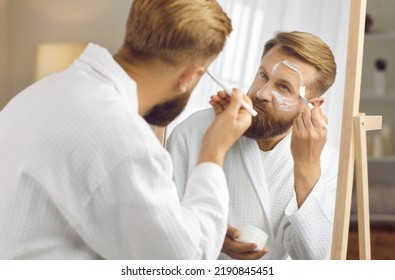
(266, 125)
(164, 113)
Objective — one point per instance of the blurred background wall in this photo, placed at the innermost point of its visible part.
(24, 24)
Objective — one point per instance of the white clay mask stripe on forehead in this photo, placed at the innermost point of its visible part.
(284, 104)
(294, 67)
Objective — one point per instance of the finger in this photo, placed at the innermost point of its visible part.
(222, 101)
(233, 254)
(298, 122)
(215, 98)
(248, 255)
(247, 99)
(232, 232)
(307, 122)
(223, 95)
(323, 116)
(317, 119)
(235, 101)
(243, 247)
(232, 244)
(217, 108)
(255, 255)
(239, 254)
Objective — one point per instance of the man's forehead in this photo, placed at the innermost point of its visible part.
(271, 59)
(280, 71)
(287, 70)
(276, 55)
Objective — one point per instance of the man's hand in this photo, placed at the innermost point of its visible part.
(220, 101)
(228, 125)
(238, 250)
(308, 139)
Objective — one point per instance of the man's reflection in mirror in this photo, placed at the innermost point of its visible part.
(282, 173)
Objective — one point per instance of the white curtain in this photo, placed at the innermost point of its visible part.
(256, 21)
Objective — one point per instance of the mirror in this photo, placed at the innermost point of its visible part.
(254, 23)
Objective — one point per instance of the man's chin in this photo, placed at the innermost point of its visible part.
(254, 133)
(267, 131)
(159, 119)
(163, 114)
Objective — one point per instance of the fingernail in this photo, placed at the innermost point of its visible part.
(236, 91)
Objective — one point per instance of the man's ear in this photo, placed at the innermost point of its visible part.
(317, 101)
(189, 77)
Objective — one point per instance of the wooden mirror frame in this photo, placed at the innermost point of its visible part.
(353, 144)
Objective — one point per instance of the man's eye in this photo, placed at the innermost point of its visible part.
(263, 75)
(284, 87)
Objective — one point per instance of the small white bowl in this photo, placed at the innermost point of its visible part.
(251, 234)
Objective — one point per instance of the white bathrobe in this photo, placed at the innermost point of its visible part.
(82, 175)
(261, 189)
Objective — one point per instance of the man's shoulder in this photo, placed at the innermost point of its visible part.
(192, 129)
(202, 116)
(197, 121)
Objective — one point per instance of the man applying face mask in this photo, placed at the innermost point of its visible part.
(82, 175)
(282, 174)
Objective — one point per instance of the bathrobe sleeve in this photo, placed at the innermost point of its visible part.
(308, 232)
(136, 213)
(184, 145)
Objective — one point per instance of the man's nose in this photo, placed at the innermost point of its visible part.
(264, 93)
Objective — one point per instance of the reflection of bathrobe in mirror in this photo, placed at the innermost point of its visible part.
(84, 177)
(261, 189)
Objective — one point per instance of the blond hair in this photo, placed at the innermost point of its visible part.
(176, 30)
(310, 49)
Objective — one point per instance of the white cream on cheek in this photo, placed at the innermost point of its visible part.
(283, 103)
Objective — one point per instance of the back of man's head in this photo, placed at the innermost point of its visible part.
(176, 30)
(310, 49)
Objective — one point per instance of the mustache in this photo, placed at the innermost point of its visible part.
(267, 124)
(261, 105)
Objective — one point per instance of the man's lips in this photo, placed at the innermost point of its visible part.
(259, 107)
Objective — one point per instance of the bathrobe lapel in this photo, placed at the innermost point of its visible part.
(252, 160)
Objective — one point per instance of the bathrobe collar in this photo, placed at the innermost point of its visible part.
(252, 159)
(99, 58)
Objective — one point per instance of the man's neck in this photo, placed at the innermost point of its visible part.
(269, 144)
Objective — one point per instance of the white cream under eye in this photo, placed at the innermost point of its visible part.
(284, 103)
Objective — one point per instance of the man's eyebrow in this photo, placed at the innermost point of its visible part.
(287, 83)
(261, 68)
(281, 80)
(284, 81)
